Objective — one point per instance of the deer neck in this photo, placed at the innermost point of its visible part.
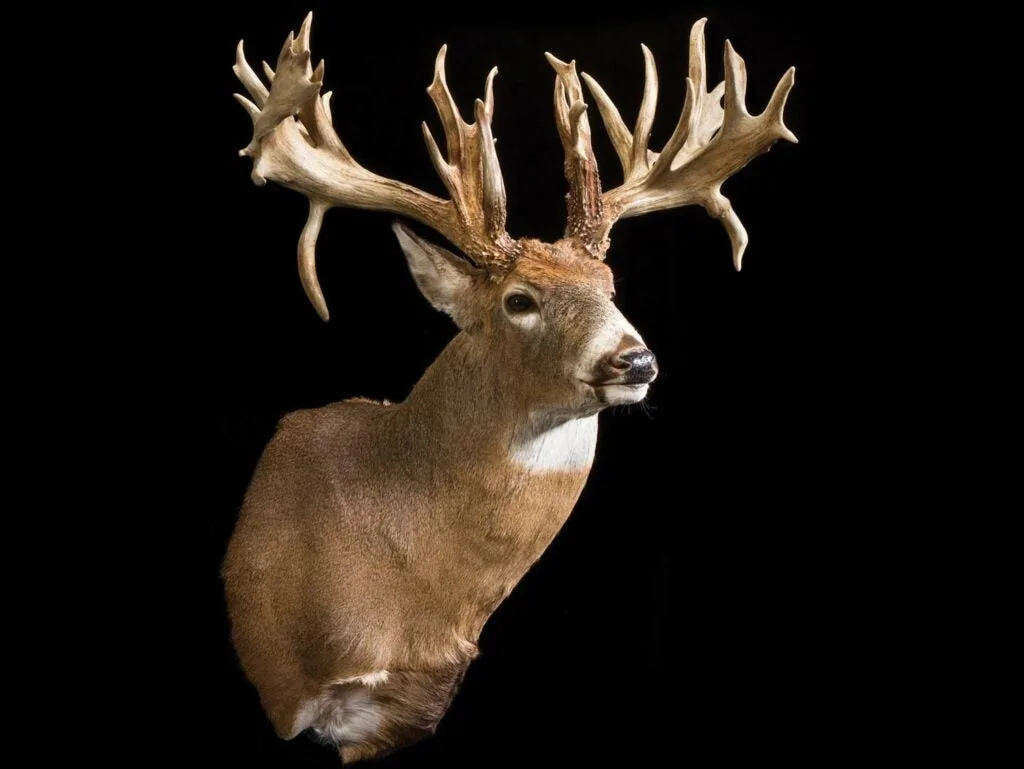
(498, 478)
(466, 414)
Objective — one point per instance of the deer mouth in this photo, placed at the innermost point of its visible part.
(619, 393)
(635, 379)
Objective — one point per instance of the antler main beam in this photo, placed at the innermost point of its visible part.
(710, 143)
(294, 143)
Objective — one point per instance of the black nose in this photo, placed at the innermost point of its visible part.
(637, 364)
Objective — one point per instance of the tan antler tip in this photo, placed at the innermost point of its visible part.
(439, 76)
(489, 90)
(252, 109)
(737, 233)
(778, 103)
(735, 84)
(304, 31)
(731, 56)
(561, 67)
(307, 258)
(286, 49)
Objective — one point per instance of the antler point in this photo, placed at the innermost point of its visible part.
(439, 63)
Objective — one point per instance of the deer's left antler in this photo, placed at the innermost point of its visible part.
(294, 144)
(710, 143)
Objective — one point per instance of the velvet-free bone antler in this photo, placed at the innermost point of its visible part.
(710, 143)
(294, 143)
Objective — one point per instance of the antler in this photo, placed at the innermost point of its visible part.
(295, 144)
(583, 201)
(709, 144)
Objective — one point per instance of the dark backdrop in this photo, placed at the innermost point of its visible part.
(694, 606)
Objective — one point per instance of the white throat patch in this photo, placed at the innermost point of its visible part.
(569, 446)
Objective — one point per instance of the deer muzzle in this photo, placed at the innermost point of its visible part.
(631, 364)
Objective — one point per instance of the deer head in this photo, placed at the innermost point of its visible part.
(546, 306)
(375, 540)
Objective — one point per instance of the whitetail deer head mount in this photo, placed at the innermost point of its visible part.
(376, 540)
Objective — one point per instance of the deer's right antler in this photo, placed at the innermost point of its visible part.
(295, 144)
(710, 143)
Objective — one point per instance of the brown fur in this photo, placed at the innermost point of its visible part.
(564, 263)
(381, 537)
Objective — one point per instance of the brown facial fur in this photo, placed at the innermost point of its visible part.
(560, 264)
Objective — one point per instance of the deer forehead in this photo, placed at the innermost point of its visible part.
(563, 264)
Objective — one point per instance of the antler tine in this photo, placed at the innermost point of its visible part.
(493, 189)
(645, 118)
(585, 209)
(714, 138)
(631, 147)
(622, 139)
(472, 174)
(249, 79)
(294, 143)
(447, 110)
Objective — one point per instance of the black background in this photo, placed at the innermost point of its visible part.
(701, 602)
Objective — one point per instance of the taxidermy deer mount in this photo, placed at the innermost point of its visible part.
(375, 540)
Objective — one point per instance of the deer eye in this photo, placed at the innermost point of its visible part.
(517, 304)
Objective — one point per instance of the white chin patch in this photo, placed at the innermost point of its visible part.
(620, 394)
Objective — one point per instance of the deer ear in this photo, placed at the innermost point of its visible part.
(442, 277)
